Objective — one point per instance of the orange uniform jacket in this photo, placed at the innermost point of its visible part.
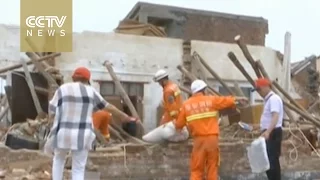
(172, 102)
(101, 120)
(200, 113)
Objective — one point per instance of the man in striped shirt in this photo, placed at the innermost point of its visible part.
(72, 106)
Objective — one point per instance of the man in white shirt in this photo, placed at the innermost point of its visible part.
(271, 125)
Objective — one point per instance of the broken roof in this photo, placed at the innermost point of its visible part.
(296, 67)
(140, 5)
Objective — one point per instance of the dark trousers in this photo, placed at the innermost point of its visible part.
(274, 152)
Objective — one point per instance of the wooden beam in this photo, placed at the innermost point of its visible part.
(124, 95)
(185, 89)
(303, 114)
(237, 63)
(238, 89)
(44, 58)
(4, 111)
(192, 77)
(36, 51)
(247, 54)
(41, 90)
(212, 72)
(313, 105)
(53, 86)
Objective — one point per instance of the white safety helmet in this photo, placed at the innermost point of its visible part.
(160, 75)
(197, 85)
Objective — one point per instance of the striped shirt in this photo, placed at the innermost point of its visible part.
(72, 106)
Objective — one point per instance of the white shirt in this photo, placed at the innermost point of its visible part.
(272, 103)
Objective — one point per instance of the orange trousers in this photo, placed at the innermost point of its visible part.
(101, 122)
(205, 157)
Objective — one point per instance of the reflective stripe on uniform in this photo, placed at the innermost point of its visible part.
(107, 136)
(175, 89)
(172, 113)
(201, 116)
(177, 93)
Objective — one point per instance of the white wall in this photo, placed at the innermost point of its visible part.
(136, 58)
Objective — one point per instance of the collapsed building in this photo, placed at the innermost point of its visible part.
(305, 74)
(135, 60)
(135, 57)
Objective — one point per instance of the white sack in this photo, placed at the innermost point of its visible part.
(166, 132)
(258, 156)
(174, 136)
(154, 136)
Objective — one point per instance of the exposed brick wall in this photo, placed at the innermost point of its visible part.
(206, 28)
(192, 24)
(169, 162)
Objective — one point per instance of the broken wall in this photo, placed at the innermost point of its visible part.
(137, 58)
(188, 24)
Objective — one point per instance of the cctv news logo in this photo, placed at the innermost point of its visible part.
(46, 26)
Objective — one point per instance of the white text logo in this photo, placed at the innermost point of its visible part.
(49, 23)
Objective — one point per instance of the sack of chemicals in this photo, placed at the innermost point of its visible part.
(166, 132)
(257, 155)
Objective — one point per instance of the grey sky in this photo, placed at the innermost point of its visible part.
(301, 18)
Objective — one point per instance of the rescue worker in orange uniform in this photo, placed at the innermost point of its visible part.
(172, 98)
(200, 114)
(101, 120)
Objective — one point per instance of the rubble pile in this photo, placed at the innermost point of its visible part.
(31, 164)
(24, 164)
